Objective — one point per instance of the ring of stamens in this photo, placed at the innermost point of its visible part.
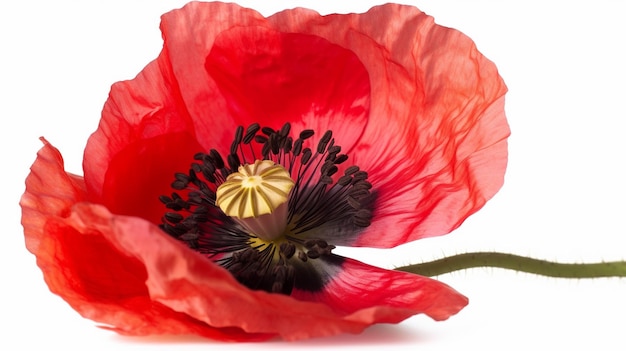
(268, 174)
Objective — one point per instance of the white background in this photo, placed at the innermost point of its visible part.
(563, 198)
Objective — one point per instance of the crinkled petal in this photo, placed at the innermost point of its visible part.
(273, 77)
(363, 290)
(146, 107)
(434, 141)
(435, 144)
(41, 200)
(83, 266)
(189, 283)
(126, 273)
(239, 71)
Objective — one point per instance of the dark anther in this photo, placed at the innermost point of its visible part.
(313, 253)
(265, 151)
(284, 131)
(176, 203)
(341, 159)
(237, 140)
(178, 185)
(307, 133)
(354, 203)
(363, 185)
(182, 177)
(267, 131)
(306, 156)
(331, 170)
(274, 143)
(334, 150)
(344, 180)
(261, 139)
(351, 170)
(325, 179)
(233, 161)
(174, 217)
(196, 168)
(207, 172)
(251, 132)
(297, 147)
(218, 161)
(359, 193)
(302, 256)
(195, 198)
(321, 147)
(326, 167)
(360, 175)
(287, 144)
(287, 249)
(199, 156)
(181, 182)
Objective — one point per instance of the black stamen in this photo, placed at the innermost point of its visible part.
(307, 133)
(267, 131)
(321, 146)
(319, 202)
(238, 136)
(251, 132)
(217, 159)
(284, 131)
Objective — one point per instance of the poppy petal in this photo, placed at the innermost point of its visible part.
(353, 287)
(241, 70)
(273, 77)
(148, 283)
(435, 144)
(146, 107)
(189, 283)
(41, 201)
(142, 171)
(82, 266)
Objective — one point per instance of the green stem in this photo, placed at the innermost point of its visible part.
(518, 263)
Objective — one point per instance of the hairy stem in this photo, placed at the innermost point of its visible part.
(518, 263)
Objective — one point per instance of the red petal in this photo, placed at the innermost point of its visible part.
(205, 85)
(366, 291)
(189, 283)
(146, 107)
(145, 282)
(435, 144)
(83, 266)
(41, 200)
(241, 71)
(274, 77)
(142, 171)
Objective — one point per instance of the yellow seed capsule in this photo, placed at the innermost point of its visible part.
(256, 197)
(255, 190)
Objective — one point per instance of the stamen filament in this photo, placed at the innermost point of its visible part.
(517, 263)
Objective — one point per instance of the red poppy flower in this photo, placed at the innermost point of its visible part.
(417, 110)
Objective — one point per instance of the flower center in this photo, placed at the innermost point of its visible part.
(256, 197)
(268, 213)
